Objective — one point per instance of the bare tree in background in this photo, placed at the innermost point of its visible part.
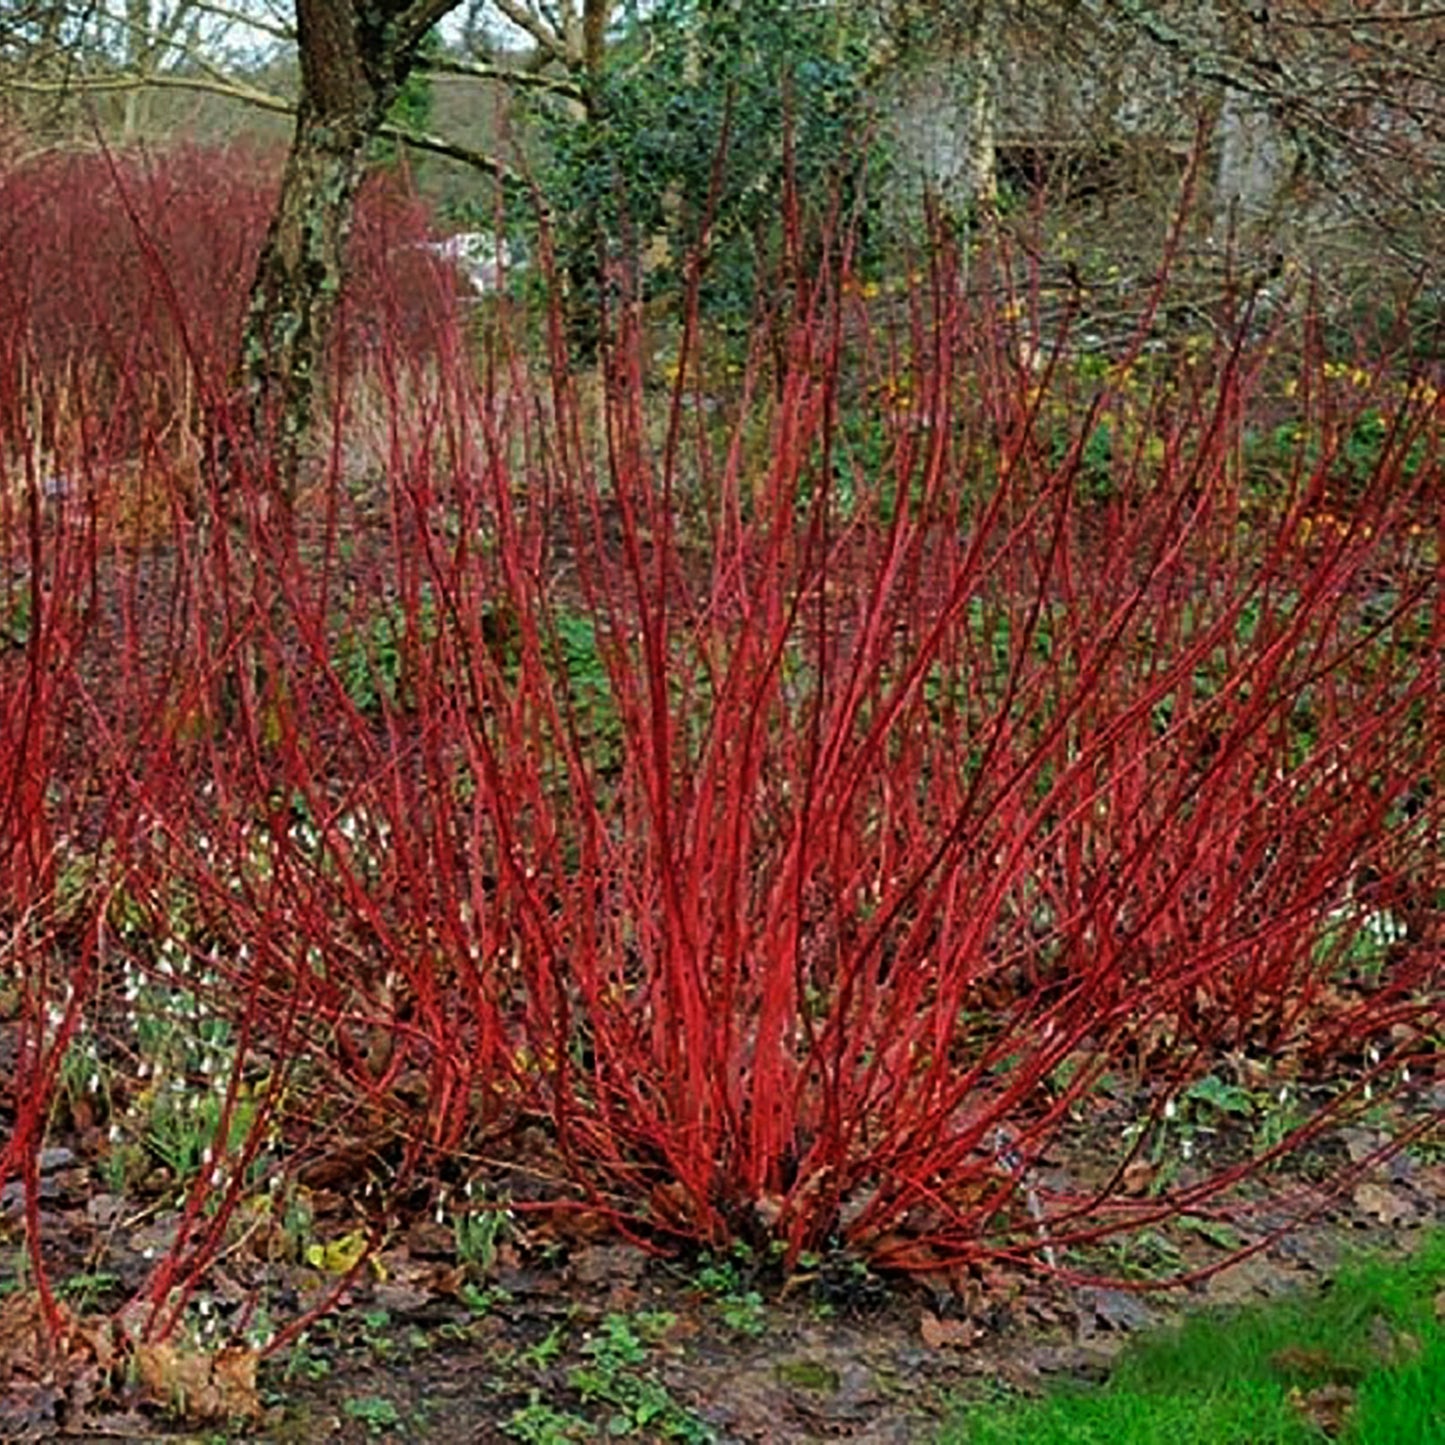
(1330, 113)
(1327, 117)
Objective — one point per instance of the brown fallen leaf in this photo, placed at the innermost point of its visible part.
(1314, 1365)
(25, 1347)
(1113, 1309)
(1325, 1408)
(199, 1386)
(947, 1334)
(1248, 1279)
(598, 1264)
(1383, 1204)
(30, 1410)
(1138, 1176)
(401, 1299)
(1394, 1348)
(1361, 1143)
(1428, 1180)
(45, 1379)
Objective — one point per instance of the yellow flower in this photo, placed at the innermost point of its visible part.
(338, 1256)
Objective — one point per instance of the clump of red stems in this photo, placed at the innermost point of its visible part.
(781, 800)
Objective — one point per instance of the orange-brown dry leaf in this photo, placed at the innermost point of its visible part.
(947, 1334)
(1313, 1364)
(25, 1346)
(199, 1386)
(1138, 1176)
(1383, 1204)
(1325, 1408)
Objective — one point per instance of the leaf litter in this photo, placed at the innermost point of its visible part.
(463, 1351)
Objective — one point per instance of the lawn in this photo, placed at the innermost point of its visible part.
(1362, 1361)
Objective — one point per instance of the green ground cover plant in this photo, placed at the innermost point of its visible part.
(1362, 1361)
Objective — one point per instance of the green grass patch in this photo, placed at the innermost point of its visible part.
(1362, 1362)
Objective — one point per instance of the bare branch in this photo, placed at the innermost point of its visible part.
(124, 81)
(417, 18)
(552, 43)
(276, 105)
(276, 31)
(476, 70)
(452, 150)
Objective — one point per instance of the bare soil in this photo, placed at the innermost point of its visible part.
(566, 1329)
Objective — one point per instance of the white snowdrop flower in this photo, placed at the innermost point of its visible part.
(203, 843)
(92, 1084)
(204, 1306)
(218, 1177)
(113, 1133)
(1284, 1093)
(1369, 1093)
(1169, 1109)
(1383, 928)
(441, 1214)
(1186, 1148)
(1373, 1054)
(1405, 1074)
(206, 1155)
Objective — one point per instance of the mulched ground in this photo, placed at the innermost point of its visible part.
(580, 1334)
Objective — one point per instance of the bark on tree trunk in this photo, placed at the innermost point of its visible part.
(355, 56)
(298, 279)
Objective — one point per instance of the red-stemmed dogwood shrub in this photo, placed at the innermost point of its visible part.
(809, 810)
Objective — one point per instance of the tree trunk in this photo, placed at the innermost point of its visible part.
(298, 279)
(1254, 167)
(947, 109)
(355, 56)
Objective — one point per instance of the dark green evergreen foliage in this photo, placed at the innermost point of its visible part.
(705, 117)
